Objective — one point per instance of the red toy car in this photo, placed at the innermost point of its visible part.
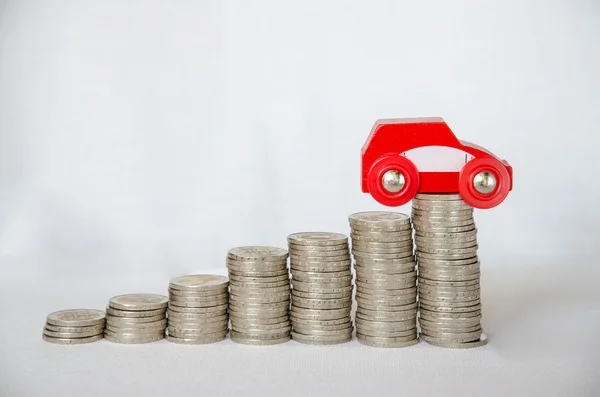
(403, 157)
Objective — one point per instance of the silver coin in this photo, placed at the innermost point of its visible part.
(199, 282)
(318, 248)
(448, 316)
(317, 323)
(72, 341)
(308, 295)
(383, 238)
(443, 209)
(386, 317)
(453, 335)
(90, 328)
(260, 320)
(383, 263)
(399, 283)
(390, 326)
(389, 270)
(193, 318)
(183, 328)
(408, 250)
(482, 341)
(378, 218)
(445, 252)
(197, 304)
(322, 259)
(117, 327)
(322, 303)
(241, 292)
(407, 308)
(409, 334)
(347, 280)
(133, 336)
(321, 268)
(245, 273)
(381, 339)
(454, 305)
(376, 293)
(189, 298)
(259, 317)
(427, 197)
(384, 344)
(198, 310)
(304, 286)
(67, 335)
(373, 256)
(264, 310)
(319, 314)
(445, 240)
(211, 334)
(385, 304)
(428, 328)
(321, 340)
(307, 329)
(425, 287)
(448, 276)
(448, 284)
(138, 302)
(443, 229)
(132, 314)
(135, 320)
(386, 278)
(259, 342)
(264, 336)
(257, 253)
(317, 238)
(427, 246)
(76, 318)
(449, 309)
(195, 341)
(262, 300)
(449, 216)
(233, 285)
(257, 265)
(251, 279)
(250, 325)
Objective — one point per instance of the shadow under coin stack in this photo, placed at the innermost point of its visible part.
(136, 318)
(74, 327)
(386, 277)
(449, 293)
(259, 300)
(321, 288)
(197, 311)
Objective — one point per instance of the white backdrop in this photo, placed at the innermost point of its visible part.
(140, 140)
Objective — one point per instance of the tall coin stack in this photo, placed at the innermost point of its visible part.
(386, 277)
(259, 300)
(197, 311)
(136, 318)
(449, 292)
(321, 288)
(74, 327)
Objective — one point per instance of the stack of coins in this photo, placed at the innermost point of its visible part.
(449, 293)
(197, 311)
(259, 300)
(321, 288)
(386, 277)
(136, 318)
(74, 327)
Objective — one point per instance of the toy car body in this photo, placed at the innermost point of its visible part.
(403, 157)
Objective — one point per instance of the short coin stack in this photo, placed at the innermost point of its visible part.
(259, 301)
(197, 311)
(74, 327)
(322, 288)
(136, 318)
(386, 277)
(449, 292)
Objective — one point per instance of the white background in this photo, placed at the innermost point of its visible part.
(140, 140)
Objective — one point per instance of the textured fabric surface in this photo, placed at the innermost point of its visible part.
(543, 342)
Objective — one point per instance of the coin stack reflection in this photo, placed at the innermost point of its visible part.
(259, 300)
(197, 311)
(386, 291)
(321, 288)
(449, 293)
(136, 318)
(74, 327)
